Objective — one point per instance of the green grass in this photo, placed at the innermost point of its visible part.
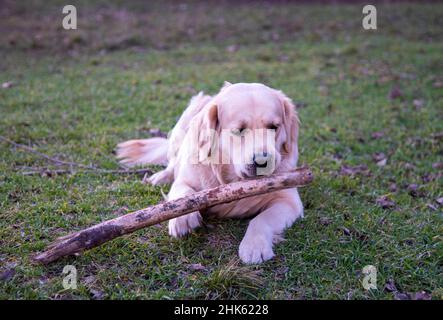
(76, 94)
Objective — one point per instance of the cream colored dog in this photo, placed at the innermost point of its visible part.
(200, 154)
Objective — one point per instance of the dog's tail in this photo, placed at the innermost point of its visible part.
(161, 150)
(146, 151)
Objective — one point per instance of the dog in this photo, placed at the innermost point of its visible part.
(199, 156)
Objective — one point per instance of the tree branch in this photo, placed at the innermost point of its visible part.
(108, 230)
(45, 156)
(50, 172)
(86, 168)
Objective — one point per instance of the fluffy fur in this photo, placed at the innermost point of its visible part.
(245, 106)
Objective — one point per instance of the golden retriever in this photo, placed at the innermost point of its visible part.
(215, 142)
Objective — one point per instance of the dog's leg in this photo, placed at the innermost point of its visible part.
(165, 176)
(268, 226)
(183, 225)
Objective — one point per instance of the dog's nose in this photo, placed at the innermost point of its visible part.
(261, 159)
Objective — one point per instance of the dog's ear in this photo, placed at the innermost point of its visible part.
(290, 125)
(226, 84)
(207, 130)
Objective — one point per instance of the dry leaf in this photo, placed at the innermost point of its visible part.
(97, 294)
(232, 48)
(354, 170)
(197, 267)
(382, 163)
(377, 135)
(393, 187)
(390, 286)
(409, 166)
(378, 156)
(385, 202)
(155, 132)
(346, 231)
(421, 295)
(437, 165)
(7, 274)
(7, 85)
(380, 159)
(418, 103)
(401, 296)
(89, 280)
(325, 221)
(395, 93)
(414, 190)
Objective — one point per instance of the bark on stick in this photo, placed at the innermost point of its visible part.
(108, 230)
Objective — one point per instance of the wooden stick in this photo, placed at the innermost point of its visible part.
(87, 168)
(45, 156)
(108, 230)
(50, 172)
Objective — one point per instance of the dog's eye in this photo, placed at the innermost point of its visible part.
(238, 132)
(273, 126)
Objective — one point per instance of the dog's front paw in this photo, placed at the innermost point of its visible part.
(178, 227)
(255, 249)
(159, 178)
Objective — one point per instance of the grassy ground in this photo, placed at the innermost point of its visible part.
(363, 97)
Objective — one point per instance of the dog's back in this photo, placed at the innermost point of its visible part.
(161, 151)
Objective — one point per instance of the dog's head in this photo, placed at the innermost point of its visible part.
(248, 130)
